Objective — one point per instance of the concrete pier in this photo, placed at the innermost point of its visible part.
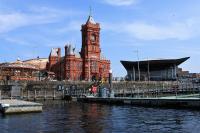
(189, 103)
(19, 106)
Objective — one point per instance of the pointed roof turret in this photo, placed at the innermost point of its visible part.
(69, 49)
(91, 20)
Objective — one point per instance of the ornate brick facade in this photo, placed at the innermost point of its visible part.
(86, 65)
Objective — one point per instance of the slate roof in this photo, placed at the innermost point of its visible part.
(154, 64)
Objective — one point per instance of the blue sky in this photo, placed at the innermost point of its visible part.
(157, 28)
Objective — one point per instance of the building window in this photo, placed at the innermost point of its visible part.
(80, 66)
(93, 37)
(94, 66)
(68, 75)
(68, 66)
(93, 48)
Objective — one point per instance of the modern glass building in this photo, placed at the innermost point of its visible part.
(154, 70)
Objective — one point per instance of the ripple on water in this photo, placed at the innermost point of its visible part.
(59, 116)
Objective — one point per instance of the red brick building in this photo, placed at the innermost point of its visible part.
(85, 65)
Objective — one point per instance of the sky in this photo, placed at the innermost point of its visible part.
(156, 28)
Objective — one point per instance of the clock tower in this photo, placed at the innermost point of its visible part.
(90, 50)
(90, 39)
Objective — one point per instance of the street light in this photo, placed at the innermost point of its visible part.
(110, 78)
(138, 64)
(133, 77)
(89, 69)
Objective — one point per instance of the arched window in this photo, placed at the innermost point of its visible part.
(93, 37)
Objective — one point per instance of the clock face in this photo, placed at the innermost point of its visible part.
(93, 38)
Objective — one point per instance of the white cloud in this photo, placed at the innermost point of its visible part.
(182, 30)
(153, 32)
(12, 20)
(120, 2)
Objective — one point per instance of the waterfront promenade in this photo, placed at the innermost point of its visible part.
(155, 94)
(31, 90)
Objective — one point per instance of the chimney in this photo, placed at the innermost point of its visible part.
(59, 52)
(66, 49)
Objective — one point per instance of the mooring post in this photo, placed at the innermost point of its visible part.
(63, 94)
(22, 94)
(45, 94)
(199, 92)
(27, 94)
(11, 95)
(131, 92)
(35, 95)
(54, 94)
(110, 80)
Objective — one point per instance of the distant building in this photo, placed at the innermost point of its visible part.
(154, 70)
(41, 63)
(187, 75)
(88, 64)
(18, 71)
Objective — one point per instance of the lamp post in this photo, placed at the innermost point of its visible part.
(110, 79)
(138, 64)
(38, 58)
(133, 77)
(148, 69)
(89, 69)
(111, 92)
(40, 70)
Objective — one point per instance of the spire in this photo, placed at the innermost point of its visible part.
(90, 13)
(90, 18)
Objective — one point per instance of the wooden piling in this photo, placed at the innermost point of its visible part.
(45, 95)
(22, 94)
(35, 95)
(54, 96)
(27, 94)
(63, 94)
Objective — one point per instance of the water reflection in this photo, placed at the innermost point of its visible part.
(59, 116)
